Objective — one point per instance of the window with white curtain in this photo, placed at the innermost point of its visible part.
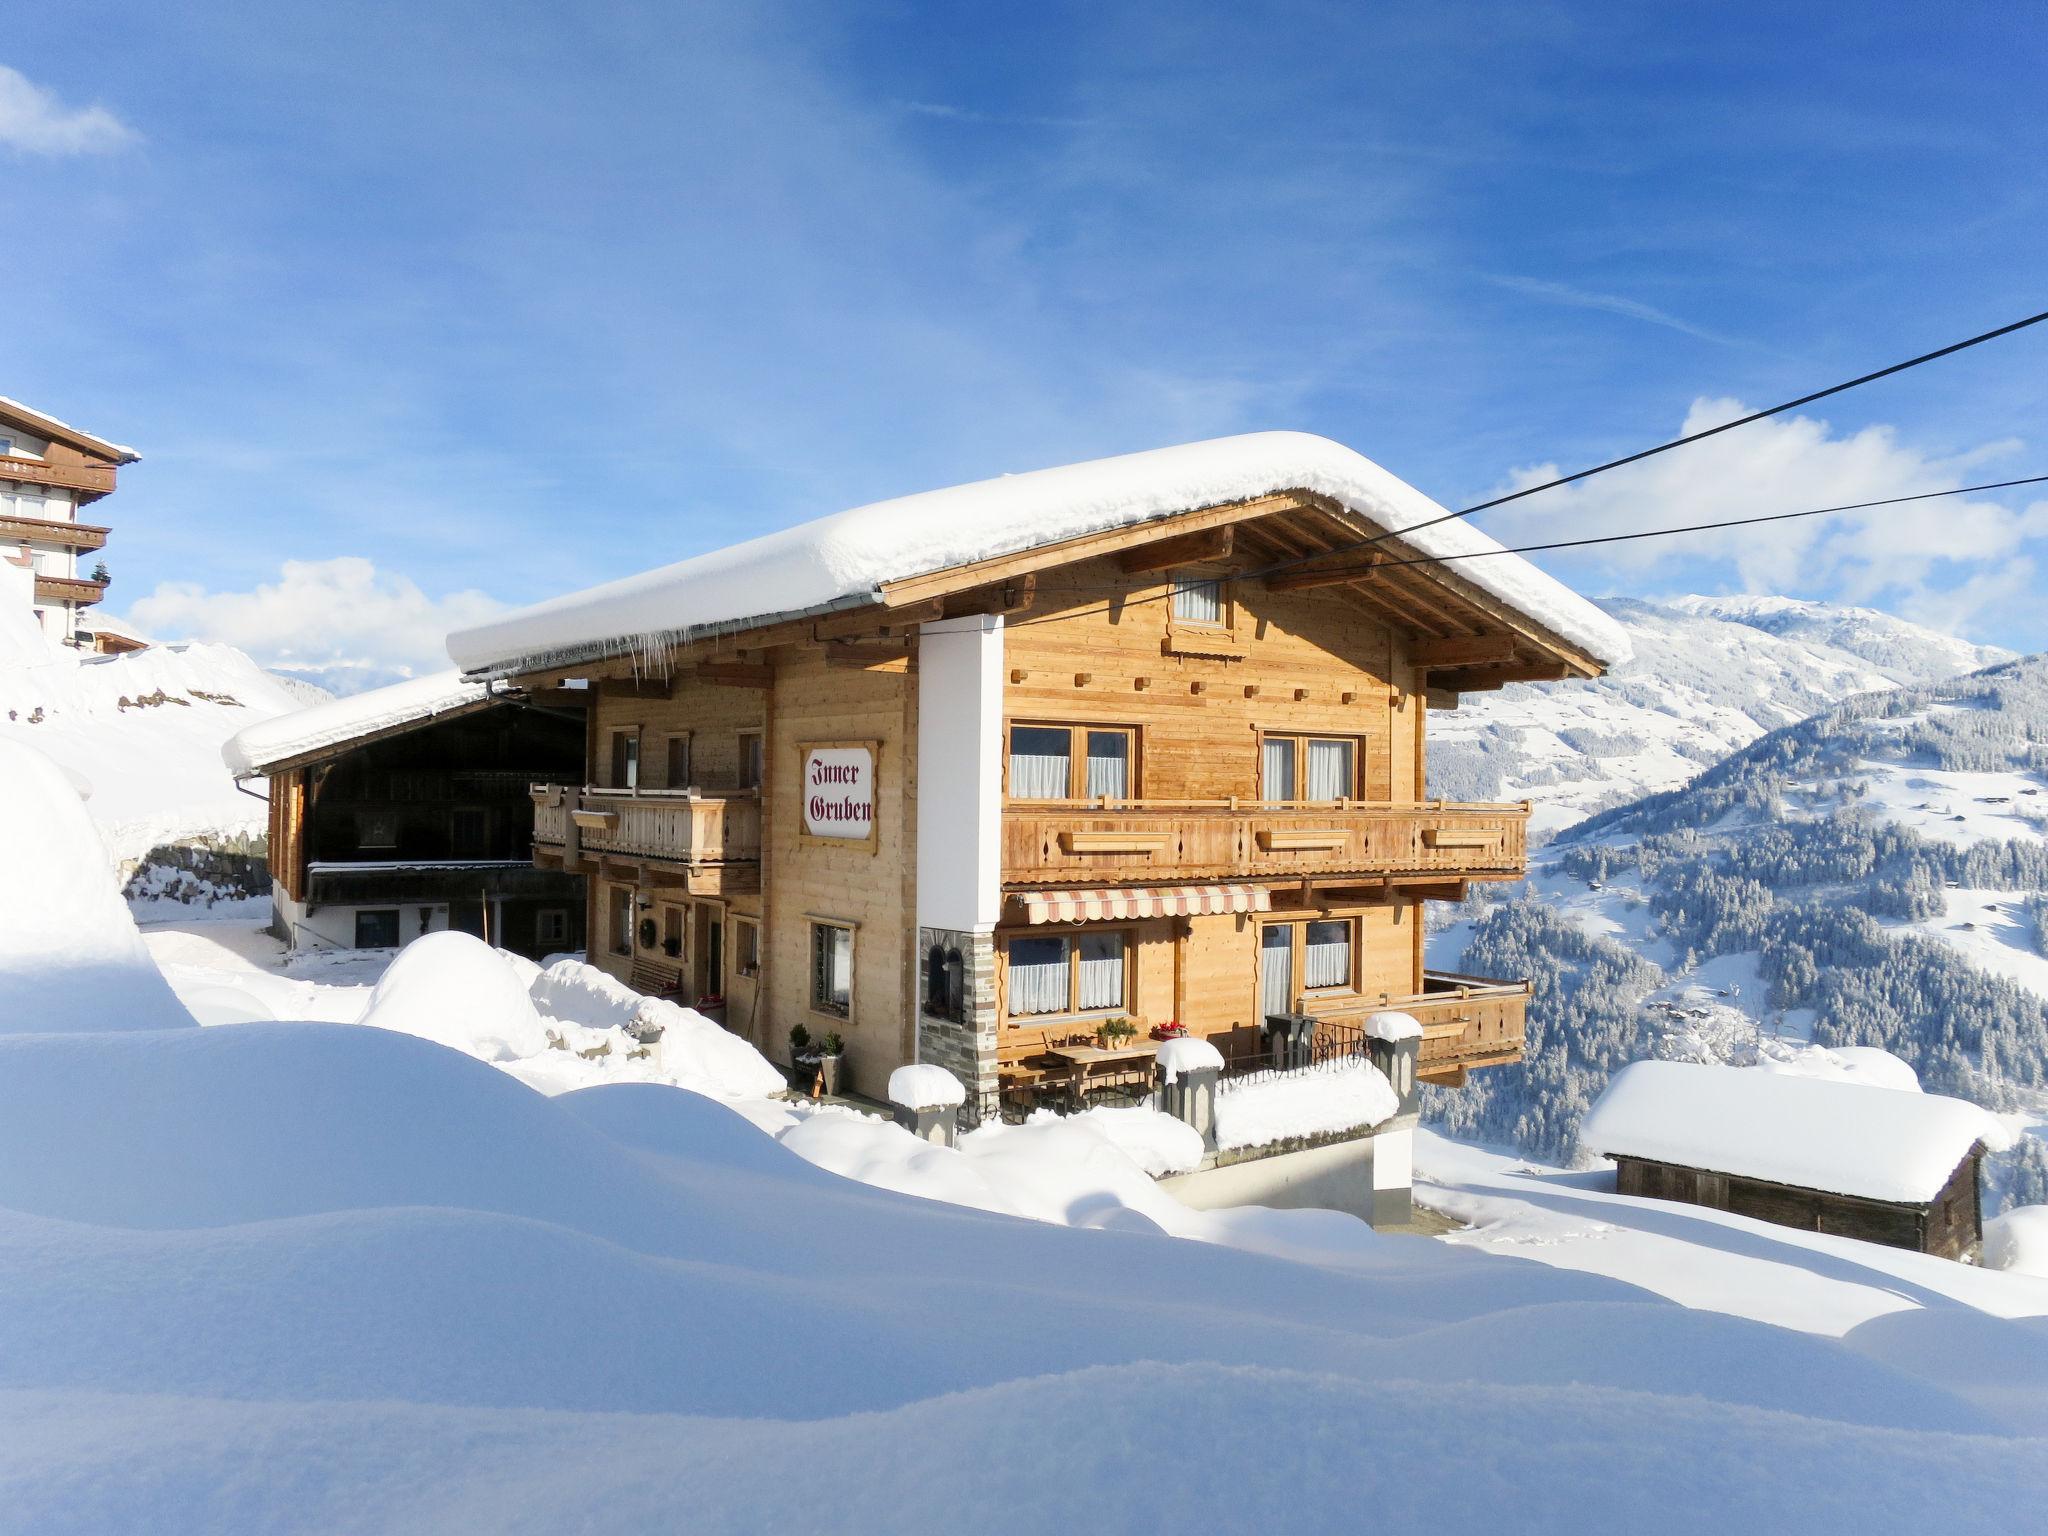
(1041, 761)
(1276, 969)
(1038, 975)
(1102, 970)
(1326, 955)
(1276, 772)
(832, 969)
(1329, 770)
(1109, 765)
(1197, 601)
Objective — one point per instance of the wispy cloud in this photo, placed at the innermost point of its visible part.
(947, 112)
(1611, 303)
(33, 121)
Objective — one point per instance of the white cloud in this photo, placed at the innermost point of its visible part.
(32, 120)
(1949, 558)
(340, 623)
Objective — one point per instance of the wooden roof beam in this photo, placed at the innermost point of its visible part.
(1188, 549)
(1459, 651)
(1325, 576)
(1485, 679)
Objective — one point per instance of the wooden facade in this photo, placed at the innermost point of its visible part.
(1951, 1225)
(48, 472)
(1264, 738)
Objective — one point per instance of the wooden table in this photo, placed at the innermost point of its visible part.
(1092, 1060)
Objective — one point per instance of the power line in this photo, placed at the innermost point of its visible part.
(1608, 538)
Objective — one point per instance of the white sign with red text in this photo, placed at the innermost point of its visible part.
(839, 792)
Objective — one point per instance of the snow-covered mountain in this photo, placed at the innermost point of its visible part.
(1710, 675)
(1872, 876)
(143, 732)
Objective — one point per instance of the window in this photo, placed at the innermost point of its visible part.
(746, 943)
(672, 927)
(832, 969)
(551, 925)
(750, 760)
(1198, 600)
(678, 762)
(1060, 973)
(377, 929)
(945, 982)
(1061, 762)
(625, 760)
(622, 920)
(1308, 768)
(376, 829)
(472, 830)
(1304, 957)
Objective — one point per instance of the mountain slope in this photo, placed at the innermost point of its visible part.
(1709, 676)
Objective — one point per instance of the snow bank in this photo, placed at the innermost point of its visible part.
(70, 957)
(2018, 1240)
(1187, 1054)
(1846, 1138)
(702, 1055)
(334, 722)
(583, 994)
(840, 560)
(924, 1086)
(1261, 1112)
(1393, 1027)
(454, 989)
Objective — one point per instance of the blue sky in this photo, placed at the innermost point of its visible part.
(416, 309)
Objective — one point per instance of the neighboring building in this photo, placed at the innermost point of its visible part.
(1881, 1164)
(406, 810)
(965, 776)
(49, 473)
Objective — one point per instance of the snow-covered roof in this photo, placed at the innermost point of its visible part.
(842, 560)
(1845, 1138)
(46, 425)
(337, 722)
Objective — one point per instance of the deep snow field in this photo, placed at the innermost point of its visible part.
(317, 1276)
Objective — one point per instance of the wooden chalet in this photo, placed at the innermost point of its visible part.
(50, 472)
(1883, 1165)
(405, 810)
(963, 776)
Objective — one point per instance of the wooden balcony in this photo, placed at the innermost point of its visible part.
(1467, 1021)
(69, 589)
(43, 530)
(707, 843)
(94, 480)
(1048, 842)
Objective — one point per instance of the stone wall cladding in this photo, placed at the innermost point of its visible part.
(965, 1047)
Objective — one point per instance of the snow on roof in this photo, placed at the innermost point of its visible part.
(49, 425)
(840, 560)
(336, 722)
(1845, 1138)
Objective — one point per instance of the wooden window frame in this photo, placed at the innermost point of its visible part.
(540, 925)
(1301, 739)
(1077, 754)
(670, 740)
(613, 935)
(363, 820)
(852, 931)
(746, 935)
(757, 734)
(1193, 637)
(615, 759)
(1073, 1011)
(1298, 953)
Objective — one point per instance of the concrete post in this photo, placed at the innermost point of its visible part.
(938, 1124)
(1191, 1097)
(1397, 1059)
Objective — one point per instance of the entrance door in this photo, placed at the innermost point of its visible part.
(710, 952)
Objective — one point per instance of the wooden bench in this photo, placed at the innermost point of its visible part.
(655, 979)
(1027, 1073)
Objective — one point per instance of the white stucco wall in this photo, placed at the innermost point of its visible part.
(959, 773)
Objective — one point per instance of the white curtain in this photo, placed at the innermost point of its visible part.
(1199, 602)
(1329, 770)
(1038, 763)
(842, 968)
(1277, 781)
(1328, 958)
(1276, 969)
(1038, 976)
(1102, 970)
(1109, 765)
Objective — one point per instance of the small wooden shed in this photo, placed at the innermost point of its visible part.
(1880, 1164)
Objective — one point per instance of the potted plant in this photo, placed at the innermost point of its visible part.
(1120, 1031)
(803, 1059)
(831, 1062)
(1172, 1029)
(672, 947)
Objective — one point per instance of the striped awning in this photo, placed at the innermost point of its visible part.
(1144, 901)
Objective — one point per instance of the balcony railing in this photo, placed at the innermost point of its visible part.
(1103, 842)
(69, 589)
(1467, 1021)
(94, 479)
(689, 828)
(44, 530)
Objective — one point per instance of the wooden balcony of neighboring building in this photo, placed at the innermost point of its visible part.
(43, 530)
(1110, 843)
(90, 480)
(82, 590)
(705, 842)
(1467, 1021)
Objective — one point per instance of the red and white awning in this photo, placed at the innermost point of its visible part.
(1143, 901)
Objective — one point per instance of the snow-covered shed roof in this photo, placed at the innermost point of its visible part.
(845, 559)
(1815, 1133)
(335, 723)
(42, 424)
